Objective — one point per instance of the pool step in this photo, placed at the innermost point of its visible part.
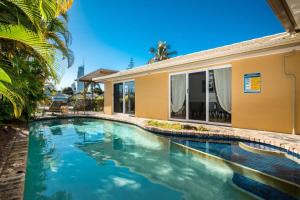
(282, 185)
(258, 189)
(263, 149)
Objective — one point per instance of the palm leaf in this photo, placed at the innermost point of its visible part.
(14, 99)
(37, 42)
(30, 9)
(4, 76)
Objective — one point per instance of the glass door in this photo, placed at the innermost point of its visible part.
(118, 97)
(201, 96)
(129, 97)
(124, 97)
(197, 96)
(178, 96)
(220, 95)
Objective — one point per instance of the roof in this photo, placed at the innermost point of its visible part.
(212, 56)
(98, 73)
(288, 12)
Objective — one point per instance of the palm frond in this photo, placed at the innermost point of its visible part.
(4, 76)
(29, 9)
(33, 40)
(14, 99)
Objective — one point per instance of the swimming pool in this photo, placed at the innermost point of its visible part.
(91, 159)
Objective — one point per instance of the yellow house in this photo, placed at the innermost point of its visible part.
(253, 84)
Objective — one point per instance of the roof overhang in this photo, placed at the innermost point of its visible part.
(288, 12)
(88, 78)
(274, 44)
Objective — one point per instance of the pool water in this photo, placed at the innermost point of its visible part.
(93, 159)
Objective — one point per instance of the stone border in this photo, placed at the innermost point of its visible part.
(12, 175)
(225, 133)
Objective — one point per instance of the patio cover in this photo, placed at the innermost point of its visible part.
(88, 78)
(288, 12)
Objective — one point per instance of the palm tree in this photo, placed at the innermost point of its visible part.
(161, 52)
(33, 31)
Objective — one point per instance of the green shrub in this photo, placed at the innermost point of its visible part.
(175, 126)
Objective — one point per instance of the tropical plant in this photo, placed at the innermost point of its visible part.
(5, 91)
(68, 91)
(161, 52)
(33, 40)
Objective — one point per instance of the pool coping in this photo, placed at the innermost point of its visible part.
(217, 132)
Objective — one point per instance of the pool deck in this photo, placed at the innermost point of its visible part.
(288, 142)
(13, 156)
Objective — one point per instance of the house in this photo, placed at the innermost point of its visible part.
(253, 84)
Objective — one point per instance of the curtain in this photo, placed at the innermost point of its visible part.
(178, 87)
(223, 87)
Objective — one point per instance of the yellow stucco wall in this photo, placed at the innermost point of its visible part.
(108, 92)
(269, 110)
(152, 96)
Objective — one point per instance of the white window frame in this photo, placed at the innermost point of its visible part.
(187, 72)
(113, 97)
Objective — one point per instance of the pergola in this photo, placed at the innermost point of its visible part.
(88, 78)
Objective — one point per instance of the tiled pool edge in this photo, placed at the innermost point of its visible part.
(225, 134)
(264, 178)
(12, 176)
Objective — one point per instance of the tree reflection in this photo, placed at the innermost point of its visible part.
(39, 159)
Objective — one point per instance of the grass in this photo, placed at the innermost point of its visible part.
(175, 126)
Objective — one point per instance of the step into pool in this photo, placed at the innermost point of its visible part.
(94, 159)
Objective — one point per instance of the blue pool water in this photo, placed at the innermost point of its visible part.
(93, 159)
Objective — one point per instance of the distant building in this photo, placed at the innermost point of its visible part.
(80, 73)
(73, 86)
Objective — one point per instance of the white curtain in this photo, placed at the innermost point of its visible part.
(178, 87)
(223, 87)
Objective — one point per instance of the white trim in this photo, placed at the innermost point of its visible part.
(113, 96)
(206, 70)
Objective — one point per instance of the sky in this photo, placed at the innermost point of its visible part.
(107, 33)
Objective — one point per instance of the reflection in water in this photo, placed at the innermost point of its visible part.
(97, 159)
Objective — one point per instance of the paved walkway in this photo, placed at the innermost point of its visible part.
(13, 156)
(285, 141)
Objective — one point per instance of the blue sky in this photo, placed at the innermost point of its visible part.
(107, 33)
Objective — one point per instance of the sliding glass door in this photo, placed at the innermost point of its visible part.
(124, 97)
(220, 95)
(178, 96)
(129, 97)
(197, 96)
(201, 96)
(118, 98)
